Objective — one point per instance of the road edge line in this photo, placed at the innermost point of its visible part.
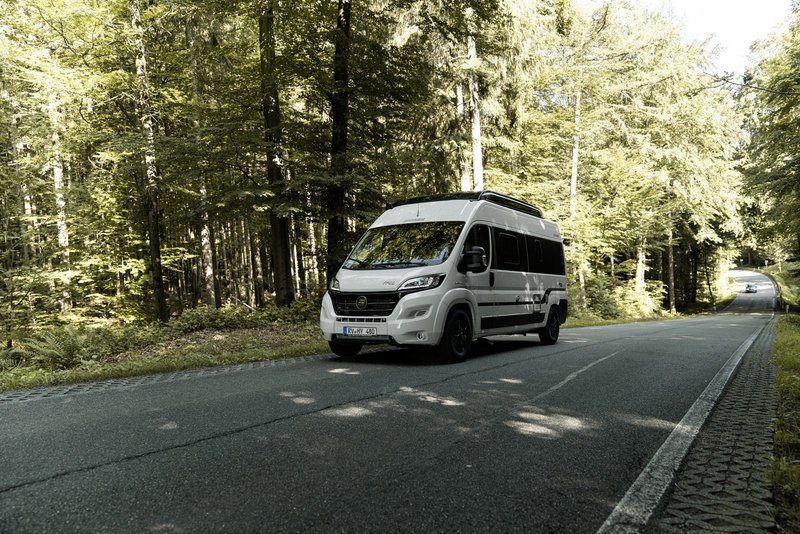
(633, 511)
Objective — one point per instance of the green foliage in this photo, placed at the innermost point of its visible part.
(634, 304)
(787, 343)
(773, 108)
(785, 471)
(601, 298)
(655, 146)
(610, 298)
(115, 352)
(51, 349)
(785, 475)
(66, 347)
(231, 317)
(787, 275)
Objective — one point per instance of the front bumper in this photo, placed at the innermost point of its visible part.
(412, 322)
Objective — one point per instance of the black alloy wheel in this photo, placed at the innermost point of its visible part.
(457, 338)
(549, 334)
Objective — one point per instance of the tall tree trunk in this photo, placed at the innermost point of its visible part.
(248, 281)
(313, 255)
(255, 263)
(576, 138)
(207, 249)
(28, 246)
(263, 255)
(339, 113)
(227, 271)
(153, 180)
(299, 256)
(670, 271)
(61, 205)
(708, 282)
(463, 158)
(27, 224)
(234, 259)
(6, 264)
(280, 248)
(695, 269)
(641, 265)
(688, 279)
(474, 98)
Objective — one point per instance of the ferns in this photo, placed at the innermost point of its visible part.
(55, 348)
(51, 349)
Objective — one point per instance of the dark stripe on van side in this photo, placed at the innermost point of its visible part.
(482, 304)
(544, 296)
(549, 290)
(502, 321)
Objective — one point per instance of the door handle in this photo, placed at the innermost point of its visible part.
(491, 278)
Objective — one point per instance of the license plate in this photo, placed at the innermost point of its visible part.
(360, 331)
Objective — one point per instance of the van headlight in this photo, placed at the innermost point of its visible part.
(335, 283)
(422, 282)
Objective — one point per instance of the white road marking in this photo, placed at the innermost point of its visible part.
(572, 376)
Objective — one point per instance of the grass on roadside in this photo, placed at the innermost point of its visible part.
(787, 275)
(205, 348)
(199, 338)
(203, 338)
(785, 471)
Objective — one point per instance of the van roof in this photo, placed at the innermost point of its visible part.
(490, 196)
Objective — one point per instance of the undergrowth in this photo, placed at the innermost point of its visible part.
(56, 354)
(785, 471)
(787, 275)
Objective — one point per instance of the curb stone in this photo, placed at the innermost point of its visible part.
(61, 390)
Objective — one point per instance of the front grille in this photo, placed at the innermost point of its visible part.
(378, 304)
(361, 319)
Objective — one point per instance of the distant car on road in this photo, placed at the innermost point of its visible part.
(751, 288)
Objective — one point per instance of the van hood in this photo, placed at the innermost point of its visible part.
(355, 280)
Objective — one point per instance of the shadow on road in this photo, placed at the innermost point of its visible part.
(417, 356)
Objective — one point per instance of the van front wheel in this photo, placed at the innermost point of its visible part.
(549, 334)
(457, 337)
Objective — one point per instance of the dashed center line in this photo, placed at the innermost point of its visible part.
(573, 376)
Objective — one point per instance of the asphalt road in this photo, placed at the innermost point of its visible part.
(521, 437)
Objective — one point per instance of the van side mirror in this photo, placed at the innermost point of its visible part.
(474, 261)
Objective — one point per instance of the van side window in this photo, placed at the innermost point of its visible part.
(478, 236)
(535, 255)
(509, 255)
(545, 256)
(553, 252)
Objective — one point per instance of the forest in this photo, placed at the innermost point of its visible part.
(161, 156)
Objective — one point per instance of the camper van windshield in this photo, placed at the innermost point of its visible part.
(405, 245)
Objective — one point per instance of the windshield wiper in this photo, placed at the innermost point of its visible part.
(401, 263)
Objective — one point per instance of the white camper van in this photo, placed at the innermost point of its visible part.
(442, 271)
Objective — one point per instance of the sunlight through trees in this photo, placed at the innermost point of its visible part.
(158, 156)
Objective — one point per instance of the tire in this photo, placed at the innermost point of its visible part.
(456, 340)
(549, 334)
(344, 349)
